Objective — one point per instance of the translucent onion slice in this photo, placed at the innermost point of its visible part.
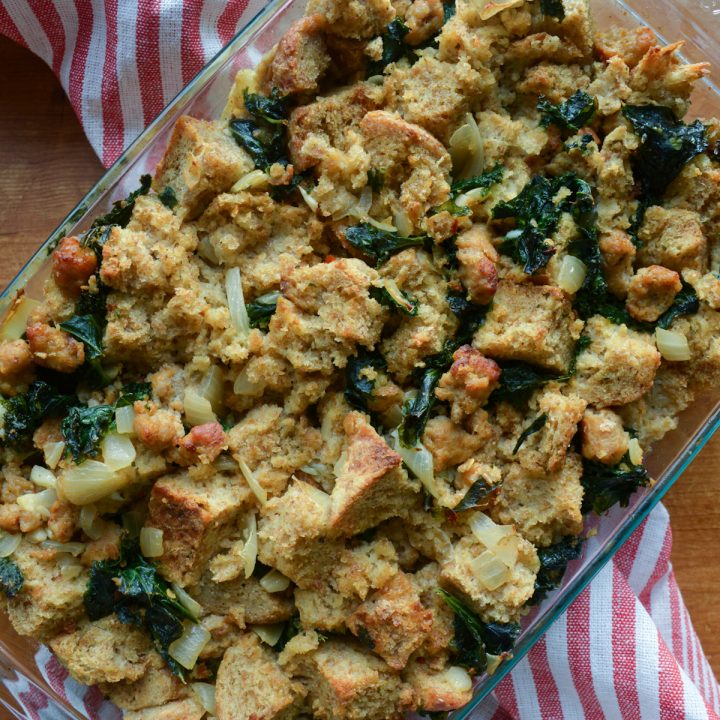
(253, 179)
(14, 327)
(394, 292)
(316, 495)
(418, 459)
(269, 634)
(258, 490)
(364, 202)
(672, 345)
(459, 678)
(36, 536)
(206, 695)
(506, 551)
(42, 477)
(125, 419)
(151, 542)
(490, 9)
(212, 387)
(470, 196)
(388, 227)
(251, 545)
(89, 522)
(206, 250)
(192, 606)
(274, 582)
(118, 451)
(71, 572)
(198, 410)
(402, 223)
(53, 453)
(246, 387)
(236, 302)
(493, 662)
(490, 571)
(466, 150)
(38, 503)
(9, 543)
(635, 452)
(187, 648)
(310, 201)
(572, 274)
(487, 532)
(71, 548)
(90, 482)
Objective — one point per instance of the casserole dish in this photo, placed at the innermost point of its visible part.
(204, 97)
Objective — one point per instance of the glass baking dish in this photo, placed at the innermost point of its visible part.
(29, 680)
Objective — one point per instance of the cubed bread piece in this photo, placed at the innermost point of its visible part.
(49, 599)
(531, 323)
(347, 682)
(651, 292)
(325, 312)
(323, 608)
(244, 600)
(200, 162)
(496, 603)
(194, 515)
(371, 485)
(366, 566)
(251, 685)
(359, 19)
(439, 690)
(543, 506)
(477, 263)
(442, 630)
(105, 650)
(273, 444)
(292, 535)
(450, 444)
(187, 709)
(617, 367)
(603, 436)
(156, 687)
(392, 622)
(16, 367)
(674, 239)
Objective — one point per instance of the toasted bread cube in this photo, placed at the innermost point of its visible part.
(544, 507)
(365, 567)
(531, 323)
(251, 685)
(674, 239)
(371, 485)
(354, 19)
(347, 682)
(603, 436)
(156, 687)
(618, 367)
(439, 690)
(652, 291)
(194, 515)
(291, 535)
(201, 161)
(392, 622)
(104, 651)
(323, 608)
(187, 709)
(442, 630)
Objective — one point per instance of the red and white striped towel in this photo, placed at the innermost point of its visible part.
(625, 649)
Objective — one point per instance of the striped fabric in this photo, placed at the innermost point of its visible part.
(625, 649)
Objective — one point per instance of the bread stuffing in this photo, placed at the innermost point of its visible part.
(306, 425)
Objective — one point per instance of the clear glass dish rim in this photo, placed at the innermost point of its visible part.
(562, 599)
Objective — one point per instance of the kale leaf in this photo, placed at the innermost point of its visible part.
(89, 330)
(292, 628)
(394, 47)
(666, 146)
(262, 309)
(358, 386)
(395, 299)
(471, 317)
(132, 587)
(480, 495)
(168, 197)
(379, 245)
(686, 302)
(518, 380)
(553, 563)
(417, 411)
(576, 112)
(264, 135)
(84, 427)
(11, 578)
(376, 179)
(133, 391)
(535, 426)
(605, 485)
(484, 181)
(95, 239)
(553, 8)
(121, 211)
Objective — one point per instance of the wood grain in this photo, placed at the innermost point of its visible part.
(47, 165)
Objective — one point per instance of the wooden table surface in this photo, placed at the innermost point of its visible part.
(47, 165)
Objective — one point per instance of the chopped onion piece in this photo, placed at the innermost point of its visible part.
(212, 387)
(258, 490)
(244, 386)
(206, 250)
(187, 648)
(70, 572)
(125, 419)
(206, 695)
(37, 536)
(151, 542)
(274, 582)
(9, 543)
(470, 196)
(192, 606)
(394, 292)
(467, 150)
(269, 634)
(364, 202)
(673, 345)
(89, 522)
(380, 225)
(39, 503)
(506, 551)
(91, 481)
(402, 223)
(310, 201)
(316, 495)
(236, 302)
(14, 326)
(459, 678)
(635, 452)
(42, 477)
(490, 571)
(253, 179)
(418, 459)
(487, 532)
(251, 545)
(492, 8)
(198, 410)
(53, 453)
(493, 662)
(572, 274)
(72, 548)
(118, 451)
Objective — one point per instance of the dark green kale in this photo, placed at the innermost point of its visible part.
(394, 47)
(395, 298)
(518, 381)
(168, 197)
(376, 179)
(553, 8)
(576, 112)
(449, 10)
(553, 563)
(358, 386)
(132, 587)
(264, 135)
(666, 146)
(417, 411)
(480, 495)
(84, 427)
(262, 309)
(11, 578)
(133, 391)
(291, 629)
(379, 245)
(535, 426)
(686, 302)
(95, 239)
(121, 211)
(606, 486)
(94, 303)
(25, 412)
(89, 330)
(582, 144)
(471, 317)
(485, 181)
